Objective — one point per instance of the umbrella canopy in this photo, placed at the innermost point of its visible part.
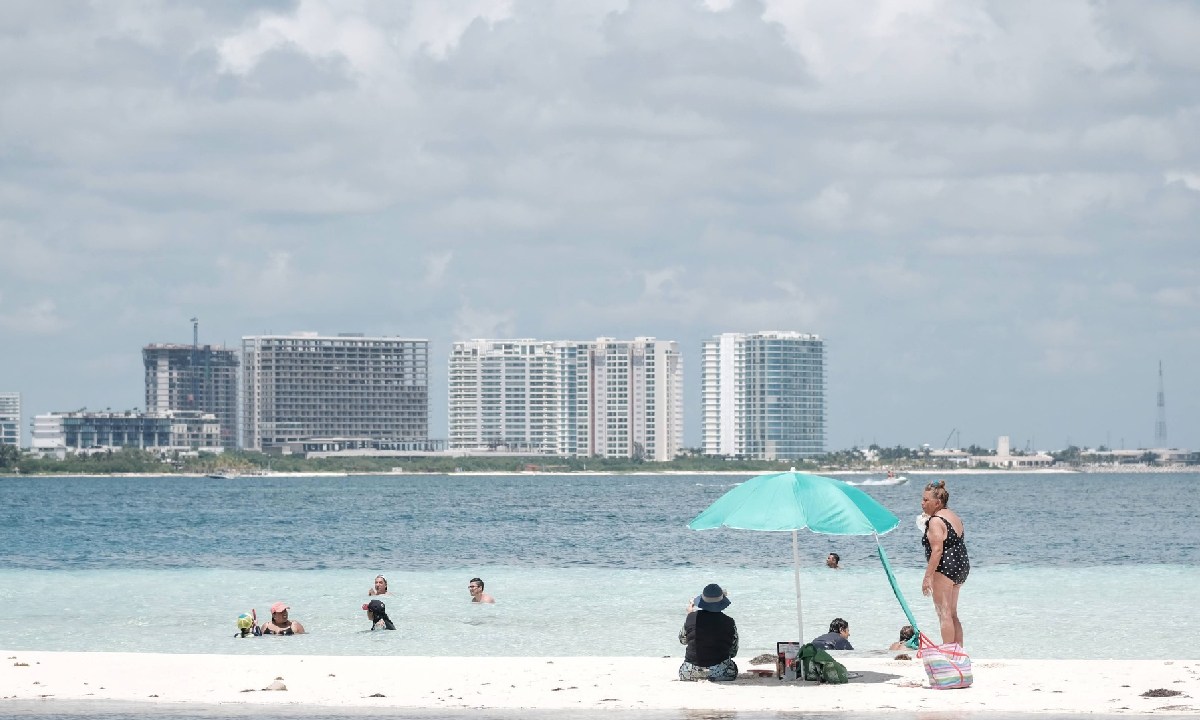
(795, 501)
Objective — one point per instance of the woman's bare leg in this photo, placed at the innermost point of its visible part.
(958, 631)
(945, 602)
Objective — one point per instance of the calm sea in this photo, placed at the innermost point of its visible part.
(1063, 565)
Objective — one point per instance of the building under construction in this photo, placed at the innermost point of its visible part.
(199, 378)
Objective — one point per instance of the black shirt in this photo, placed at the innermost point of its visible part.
(711, 638)
(832, 641)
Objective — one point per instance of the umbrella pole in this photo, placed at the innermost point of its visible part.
(796, 571)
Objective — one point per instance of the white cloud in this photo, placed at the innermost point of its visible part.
(40, 317)
(1179, 297)
(1190, 180)
(435, 267)
(471, 322)
(317, 28)
(919, 180)
(658, 283)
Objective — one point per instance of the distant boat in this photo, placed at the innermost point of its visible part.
(894, 480)
(223, 475)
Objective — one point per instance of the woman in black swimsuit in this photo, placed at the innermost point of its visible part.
(279, 623)
(946, 553)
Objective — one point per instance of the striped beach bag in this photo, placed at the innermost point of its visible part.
(948, 666)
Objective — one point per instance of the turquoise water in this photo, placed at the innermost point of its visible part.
(1064, 566)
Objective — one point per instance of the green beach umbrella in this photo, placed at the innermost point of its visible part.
(795, 501)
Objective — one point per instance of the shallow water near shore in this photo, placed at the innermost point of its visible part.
(1063, 566)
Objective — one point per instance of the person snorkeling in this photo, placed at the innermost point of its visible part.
(247, 624)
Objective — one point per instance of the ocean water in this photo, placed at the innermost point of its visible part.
(1063, 565)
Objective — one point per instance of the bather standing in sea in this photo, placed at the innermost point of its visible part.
(947, 564)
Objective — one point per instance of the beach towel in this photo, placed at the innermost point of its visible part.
(948, 666)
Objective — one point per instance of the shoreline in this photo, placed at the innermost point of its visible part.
(1089, 470)
(586, 683)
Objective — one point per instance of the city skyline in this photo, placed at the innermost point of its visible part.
(986, 210)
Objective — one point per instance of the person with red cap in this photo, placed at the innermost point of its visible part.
(279, 624)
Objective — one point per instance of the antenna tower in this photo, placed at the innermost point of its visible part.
(1160, 427)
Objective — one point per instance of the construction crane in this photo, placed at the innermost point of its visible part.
(195, 363)
(946, 444)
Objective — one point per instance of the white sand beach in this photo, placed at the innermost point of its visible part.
(1026, 686)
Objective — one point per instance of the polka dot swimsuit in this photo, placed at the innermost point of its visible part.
(954, 563)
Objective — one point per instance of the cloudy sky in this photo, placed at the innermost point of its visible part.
(989, 210)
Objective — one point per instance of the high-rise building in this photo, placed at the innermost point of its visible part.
(607, 398)
(201, 378)
(10, 418)
(764, 395)
(305, 385)
(635, 399)
(504, 395)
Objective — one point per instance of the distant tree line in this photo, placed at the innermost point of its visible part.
(692, 459)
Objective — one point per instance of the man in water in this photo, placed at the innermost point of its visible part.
(475, 587)
(838, 637)
(832, 560)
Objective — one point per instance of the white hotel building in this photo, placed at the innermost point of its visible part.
(10, 418)
(764, 395)
(596, 398)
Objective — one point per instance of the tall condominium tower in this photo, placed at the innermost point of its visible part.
(10, 418)
(606, 398)
(764, 395)
(504, 395)
(305, 386)
(199, 378)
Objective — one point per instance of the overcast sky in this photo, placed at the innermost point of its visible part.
(988, 210)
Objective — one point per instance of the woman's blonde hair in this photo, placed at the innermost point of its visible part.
(937, 489)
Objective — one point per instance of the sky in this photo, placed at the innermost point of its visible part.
(988, 210)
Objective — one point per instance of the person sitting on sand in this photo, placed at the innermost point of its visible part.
(475, 587)
(380, 587)
(711, 637)
(906, 634)
(377, 614)
(837, 638)
(833, 561)
(279, 624)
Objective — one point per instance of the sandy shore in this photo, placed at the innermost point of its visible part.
(1027, 686)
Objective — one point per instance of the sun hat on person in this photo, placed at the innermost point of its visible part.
(712, 599)
(375, 606)
(279, 607)
(245, 621)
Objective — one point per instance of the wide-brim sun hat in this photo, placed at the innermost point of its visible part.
(712, 599)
